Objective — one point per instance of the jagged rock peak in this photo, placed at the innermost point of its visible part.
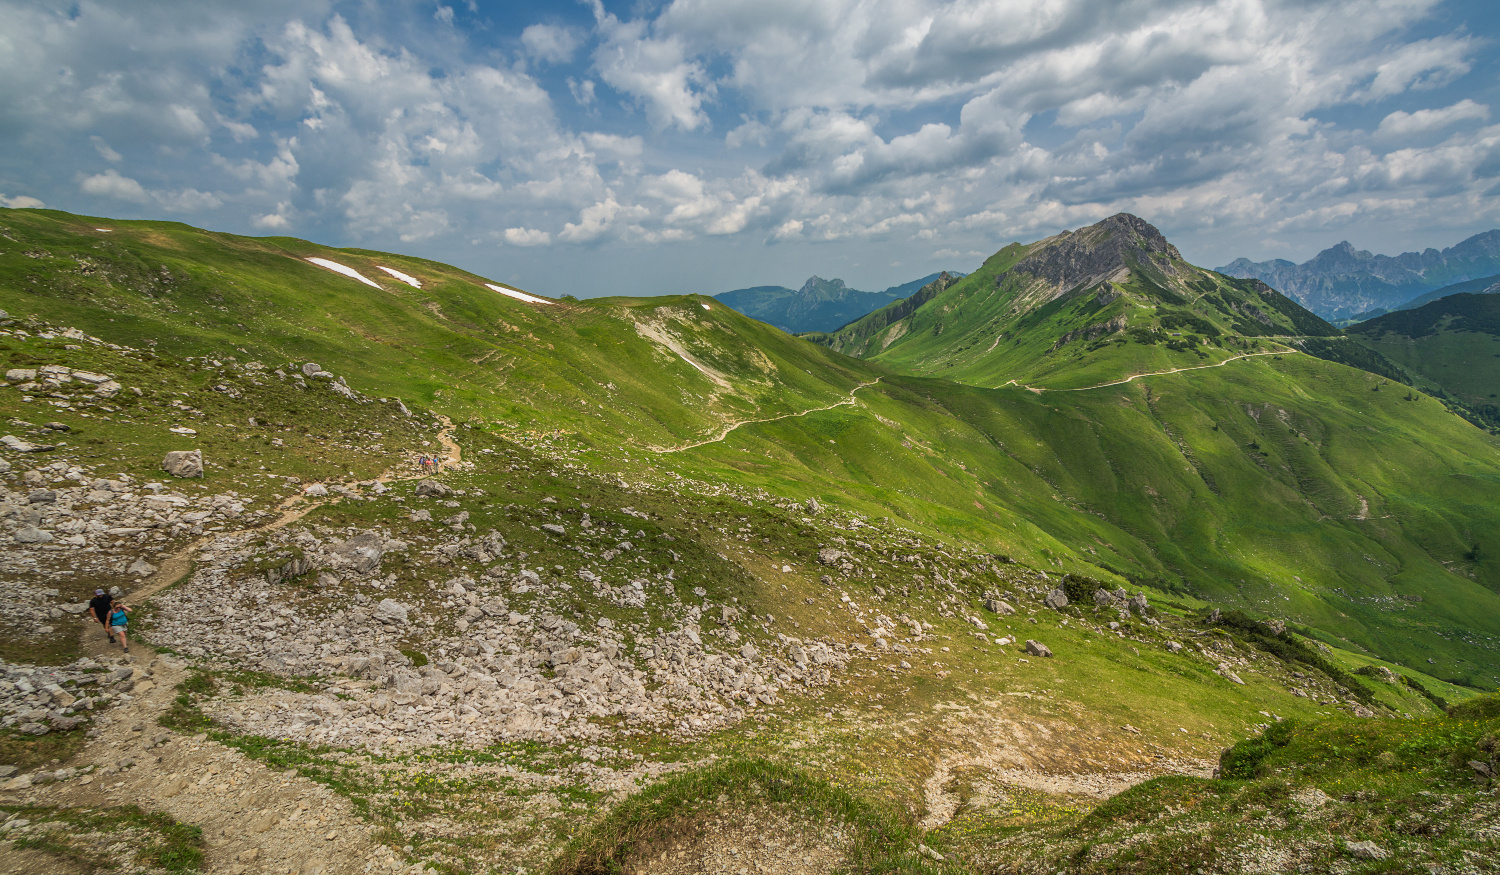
(1099, 250)
(816, 284)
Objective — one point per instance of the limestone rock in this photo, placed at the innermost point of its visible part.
(363, 551)
(390, 612)
(1366, 850)
(830, 556)
(433, 488)
(311, 368)
(999, 606)
(141, 568)
(1056, 599)
(1037, 648)
(32, 535)
(315, 490)
(554, 528)
(183, 463)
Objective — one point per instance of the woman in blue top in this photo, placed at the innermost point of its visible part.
(118, 621)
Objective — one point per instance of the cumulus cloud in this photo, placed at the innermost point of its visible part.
(20, 202)
(110, 184)
(550, 43)
(527, 237)
(1400, 123)
(927, 129)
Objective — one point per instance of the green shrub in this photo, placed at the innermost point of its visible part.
(1243, 761)
(1486, 707)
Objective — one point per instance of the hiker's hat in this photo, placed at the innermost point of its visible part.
(98, 592)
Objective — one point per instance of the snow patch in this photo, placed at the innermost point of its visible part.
(704, 306)
(405, 278)
(519, 296)
(105, 230)
(346, 271)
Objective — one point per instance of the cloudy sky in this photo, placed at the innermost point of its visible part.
(703, 145)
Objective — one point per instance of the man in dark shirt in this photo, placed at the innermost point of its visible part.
(99, 609)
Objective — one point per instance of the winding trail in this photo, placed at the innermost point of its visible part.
(250, 813)
(1234, 358)
(725, 432)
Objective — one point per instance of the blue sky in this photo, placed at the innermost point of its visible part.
(704, 145)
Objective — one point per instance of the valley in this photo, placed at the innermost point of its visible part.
(992, 580)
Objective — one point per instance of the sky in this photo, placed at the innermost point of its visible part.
(654, 147)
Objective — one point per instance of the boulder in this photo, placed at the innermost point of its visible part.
(183, 463)
(363, 551)
(311, 368)
(1037, 648)
(21, 446)
(141, 568)
(108, 389)
(812, 507)
(1139, 605)
(554, 528)
(432, 488)
(1056, 599)
(32, 535)
(391, 612)
(999, 606)
(1104, 598)
(830, 556)
(20, 375)
(41, 496)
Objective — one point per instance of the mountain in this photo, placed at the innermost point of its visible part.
(820, 305)
(1453, 342)
(672, 554)
(1078, 306)
(1485, 285)
(1341, 281)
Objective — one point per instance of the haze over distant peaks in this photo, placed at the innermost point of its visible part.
(1341, 281)
(820, 305)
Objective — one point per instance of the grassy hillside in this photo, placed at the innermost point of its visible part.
(1077, 309)
(1452, 347)
(1252, 484)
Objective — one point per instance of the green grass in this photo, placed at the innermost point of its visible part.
(155, 840)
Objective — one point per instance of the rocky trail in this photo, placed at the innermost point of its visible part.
(254, 818)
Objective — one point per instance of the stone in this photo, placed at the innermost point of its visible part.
(183, 463)
(315, 490)
(41, 496)
(32, 535)
(999, 606)
(1139, 605)
(432, 488)
(1058, 598)
(391, 612)
(141, 568)
(1037, 648)
(1174, 647)
(20, 375)
(812, 507)
(554, 528)
(1366, 850)
(1104, 598)
(108, 389)
(830, 556)
(21, 446)
(363, 551)
(1276, 626)
(1362, 711)
(311, 368)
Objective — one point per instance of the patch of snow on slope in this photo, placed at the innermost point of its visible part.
(346, 271)
(519, 296)
(405, 278)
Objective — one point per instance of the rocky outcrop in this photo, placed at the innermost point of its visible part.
(183, 463)
(1099, 251)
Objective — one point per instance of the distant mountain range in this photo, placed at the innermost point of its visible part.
(820, 305)
(1342, 282)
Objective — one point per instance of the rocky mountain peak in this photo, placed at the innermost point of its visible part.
(1100, 250)
(817, 287)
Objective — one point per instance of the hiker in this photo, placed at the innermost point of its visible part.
(118, 621)
(99, 610)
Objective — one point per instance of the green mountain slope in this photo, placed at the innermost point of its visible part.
(1252, 483)
(1453, 342)
(1104, 302)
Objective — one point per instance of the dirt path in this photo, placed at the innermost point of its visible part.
(1235, 358)
(728, 429)
(254, 819)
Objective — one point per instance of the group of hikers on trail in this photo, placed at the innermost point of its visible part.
(112, 615)
(428, 463)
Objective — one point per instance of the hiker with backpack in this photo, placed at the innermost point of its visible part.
(118, 622)
(99, 609)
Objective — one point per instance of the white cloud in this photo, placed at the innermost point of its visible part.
(656, 72)
(1399, 123)
(550, 43)
(20, 202)
(527, 237)
(111, 184)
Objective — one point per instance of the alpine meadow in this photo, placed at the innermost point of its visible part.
(389, 486)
